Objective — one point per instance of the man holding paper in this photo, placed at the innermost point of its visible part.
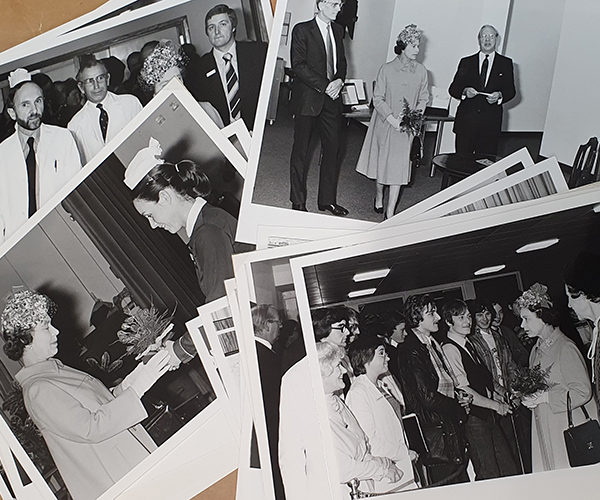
(483, 83)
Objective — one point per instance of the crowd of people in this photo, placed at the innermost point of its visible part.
(51, 129)
(460, 369)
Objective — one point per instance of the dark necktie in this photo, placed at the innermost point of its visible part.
(233, 87)
(31, 168)
(483, 74)
(103, 120)
(329, 47)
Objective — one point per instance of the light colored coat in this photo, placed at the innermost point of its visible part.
(385, 152)
(92, 435)
(301, 455)
(85, 124)
(567, 373)
(57, 162)
(378, 420)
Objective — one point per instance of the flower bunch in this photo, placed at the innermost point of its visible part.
(145, 330)
(412, 120)
(528, 381)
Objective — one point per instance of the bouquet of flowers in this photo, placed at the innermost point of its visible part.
(411, 120)
(529, 381)
(144, 331)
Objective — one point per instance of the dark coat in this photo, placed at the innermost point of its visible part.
(440, 416)
(309, 64)
(209, 87)
(470, 111)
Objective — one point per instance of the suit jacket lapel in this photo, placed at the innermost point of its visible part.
(316, 32)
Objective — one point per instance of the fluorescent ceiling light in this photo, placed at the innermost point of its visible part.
(371, 275)
(360, 293)
(538, 245)
(488, 270)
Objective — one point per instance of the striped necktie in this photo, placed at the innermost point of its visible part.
(233, 87)
(484, 69)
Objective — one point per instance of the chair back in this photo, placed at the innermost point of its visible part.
(585, 166)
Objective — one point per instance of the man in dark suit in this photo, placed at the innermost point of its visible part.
(229, 76)
(266, 323)
(319, 66)
(483, 83)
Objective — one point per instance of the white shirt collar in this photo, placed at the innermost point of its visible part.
(321, 24)
(193, 215)
(219, 53)
(490, 59)
(264, 342)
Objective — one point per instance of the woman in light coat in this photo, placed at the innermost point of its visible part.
(93, 434)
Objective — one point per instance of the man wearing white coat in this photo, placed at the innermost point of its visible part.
(36, 161)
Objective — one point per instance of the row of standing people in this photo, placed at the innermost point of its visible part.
(460, 387)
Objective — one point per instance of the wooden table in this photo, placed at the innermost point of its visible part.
(440, 120)
(458, 166)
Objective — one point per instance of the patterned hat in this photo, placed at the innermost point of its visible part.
(164, 57)
(410, 35)
(24, 310)
(537, 296)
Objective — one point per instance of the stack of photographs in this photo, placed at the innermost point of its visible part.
(175, 327)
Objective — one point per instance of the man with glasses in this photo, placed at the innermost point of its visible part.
(104, 114)
(319, 66)
(36, 160)
(267, 324)
(483, 83)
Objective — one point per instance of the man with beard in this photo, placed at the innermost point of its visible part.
(36, 161)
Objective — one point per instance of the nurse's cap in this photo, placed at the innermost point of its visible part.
(144, 161)
(17, 76)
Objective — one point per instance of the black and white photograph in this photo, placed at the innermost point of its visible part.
(109, 284)
(94, 80)
(479, 324)
(369, 179)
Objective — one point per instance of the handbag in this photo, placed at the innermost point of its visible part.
(415, 151)
(583, 440)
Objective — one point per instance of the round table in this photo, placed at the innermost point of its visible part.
(458, 166)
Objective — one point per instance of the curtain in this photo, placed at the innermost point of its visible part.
(154, 265)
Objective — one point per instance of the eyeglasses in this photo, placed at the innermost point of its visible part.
(100, 79)
(335, 4)
(340, 327)
(488, 37)
(270, 320)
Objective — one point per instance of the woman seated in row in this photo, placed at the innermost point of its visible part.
(354, 458)
(373, 404)
(93, 434)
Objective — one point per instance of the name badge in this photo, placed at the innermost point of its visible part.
(211, 73)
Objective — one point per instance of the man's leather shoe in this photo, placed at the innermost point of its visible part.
(334, 209)
(299, 206)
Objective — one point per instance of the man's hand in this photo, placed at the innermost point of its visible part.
(334, 88)
(470, 92)
(503, 409)
(494, 97)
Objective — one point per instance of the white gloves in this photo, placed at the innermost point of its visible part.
(145, 375)
(535, 399)
(394, 122)
(174, 361)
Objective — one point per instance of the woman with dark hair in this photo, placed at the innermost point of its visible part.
(93, 434)
(386, 150)
(555, 353)
(378, 412)
(173, 197)
(582, 284)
